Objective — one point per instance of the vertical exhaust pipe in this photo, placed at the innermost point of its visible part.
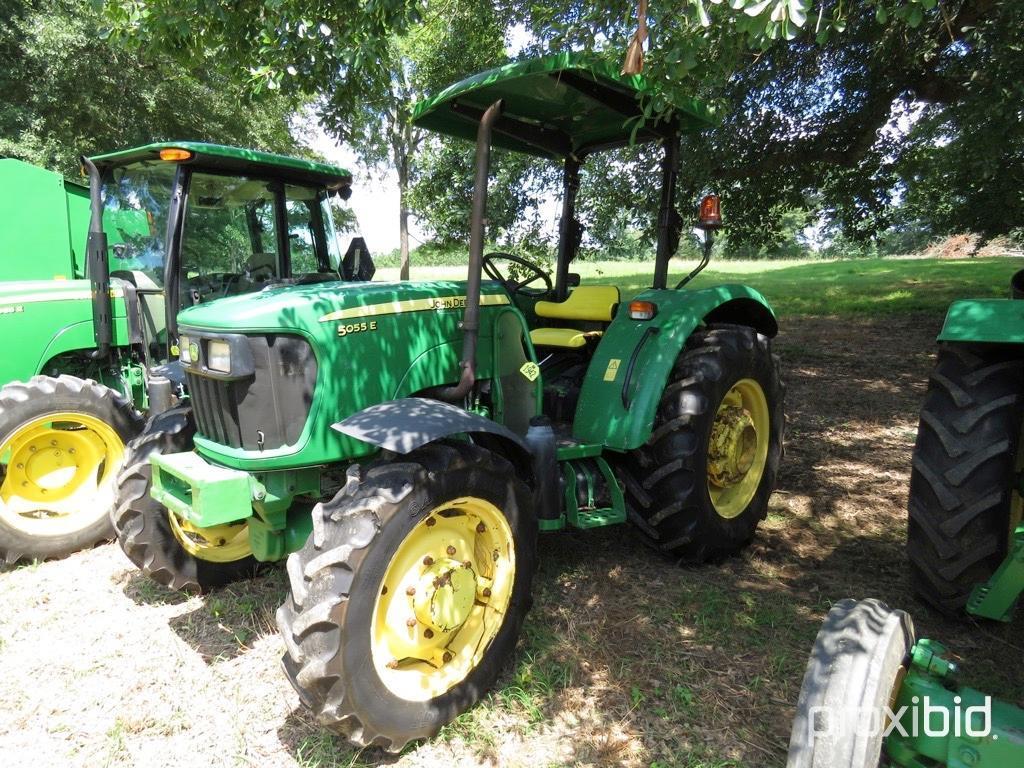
(98, 267)
(471, 317)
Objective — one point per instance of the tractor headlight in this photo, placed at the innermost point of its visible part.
(218, 356)
(185, 350)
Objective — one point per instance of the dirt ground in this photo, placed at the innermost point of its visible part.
(626, 659)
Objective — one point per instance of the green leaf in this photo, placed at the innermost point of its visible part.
(702, 14)
(798, 12)
(757, 8)
(915, 17)
(881, 15)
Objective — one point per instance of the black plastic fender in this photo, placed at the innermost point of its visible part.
(402, 426)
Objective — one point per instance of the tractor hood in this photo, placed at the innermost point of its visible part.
(311, 307)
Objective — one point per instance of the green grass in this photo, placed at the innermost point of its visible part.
(852, 287)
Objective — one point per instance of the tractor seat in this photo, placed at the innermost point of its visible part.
(587, 303)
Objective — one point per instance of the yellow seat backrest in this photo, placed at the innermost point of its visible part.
(587, 302)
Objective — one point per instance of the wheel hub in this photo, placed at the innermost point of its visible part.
(733, 446)
(445, 595)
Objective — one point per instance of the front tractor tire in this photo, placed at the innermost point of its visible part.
(410, 593)
(857, 665)
(700, 485)
(62, 443)
(167, 549)
(963, 506)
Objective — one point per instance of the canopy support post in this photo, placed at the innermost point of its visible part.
(668, 219)
(567, 227)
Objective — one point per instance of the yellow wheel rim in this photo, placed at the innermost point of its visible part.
(443, 599)
(59, 472)
(738, 448)
(216, 544)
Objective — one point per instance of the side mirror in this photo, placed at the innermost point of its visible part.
(357, 264)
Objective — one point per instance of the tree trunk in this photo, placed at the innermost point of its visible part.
(403, 217)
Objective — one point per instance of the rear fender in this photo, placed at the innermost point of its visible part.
(996, 321)
(632, 363)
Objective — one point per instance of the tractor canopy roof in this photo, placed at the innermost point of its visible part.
(232, 160)
(556, 106)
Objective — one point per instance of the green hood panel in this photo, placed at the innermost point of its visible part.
(555, 106)
(301, 307)
(372, 341)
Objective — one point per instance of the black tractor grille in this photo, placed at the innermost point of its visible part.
(265, 409)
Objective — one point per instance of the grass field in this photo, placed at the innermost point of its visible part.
(626, 659)
(861, 287)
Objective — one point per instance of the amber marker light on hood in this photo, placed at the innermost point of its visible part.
(642, 310)
(175, 155)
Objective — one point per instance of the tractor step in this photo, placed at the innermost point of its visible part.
(997, 597)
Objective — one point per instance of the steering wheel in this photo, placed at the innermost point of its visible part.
(534, 273)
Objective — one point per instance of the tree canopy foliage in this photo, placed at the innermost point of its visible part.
(68, 91)
(878, 115)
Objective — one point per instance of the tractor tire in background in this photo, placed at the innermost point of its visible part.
(700, 485)
(856, 664)
(409, 596)
(62, 444)
(167, 549)
(962, 506)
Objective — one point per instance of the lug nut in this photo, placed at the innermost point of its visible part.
(393, 664)
(447, 656)
(410, 591)
(428, 633)
(467, 564)
(486, 592)
(71, 450)
(430, 521)
(450, 551)
(53, 442)
(495, 555)
(410, 622)
(21, 466)
(428, 561)
(480, 527)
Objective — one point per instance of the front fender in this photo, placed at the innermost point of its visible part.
(403, 425)
(997, 321)
(632, 363)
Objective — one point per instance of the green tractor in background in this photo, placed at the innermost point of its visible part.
(965, 542)
(93, 280)
(402, 444)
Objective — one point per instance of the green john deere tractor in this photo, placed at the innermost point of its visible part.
(402, 444)
(872, 689)
(93, 280)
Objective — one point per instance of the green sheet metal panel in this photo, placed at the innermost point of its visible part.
(999, 321)
(617, 406)
(565, 97)
(235, 160)
(36, 233)
(373, 342)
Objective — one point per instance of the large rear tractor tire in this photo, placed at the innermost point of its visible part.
(963, 506)
(856, 667)
(409, 596)
(700, 485)
(167, 549)
(62, 443)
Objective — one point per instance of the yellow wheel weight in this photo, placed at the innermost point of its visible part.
(443, 599)
(59, 473)
(738, 448)
(216, 544)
